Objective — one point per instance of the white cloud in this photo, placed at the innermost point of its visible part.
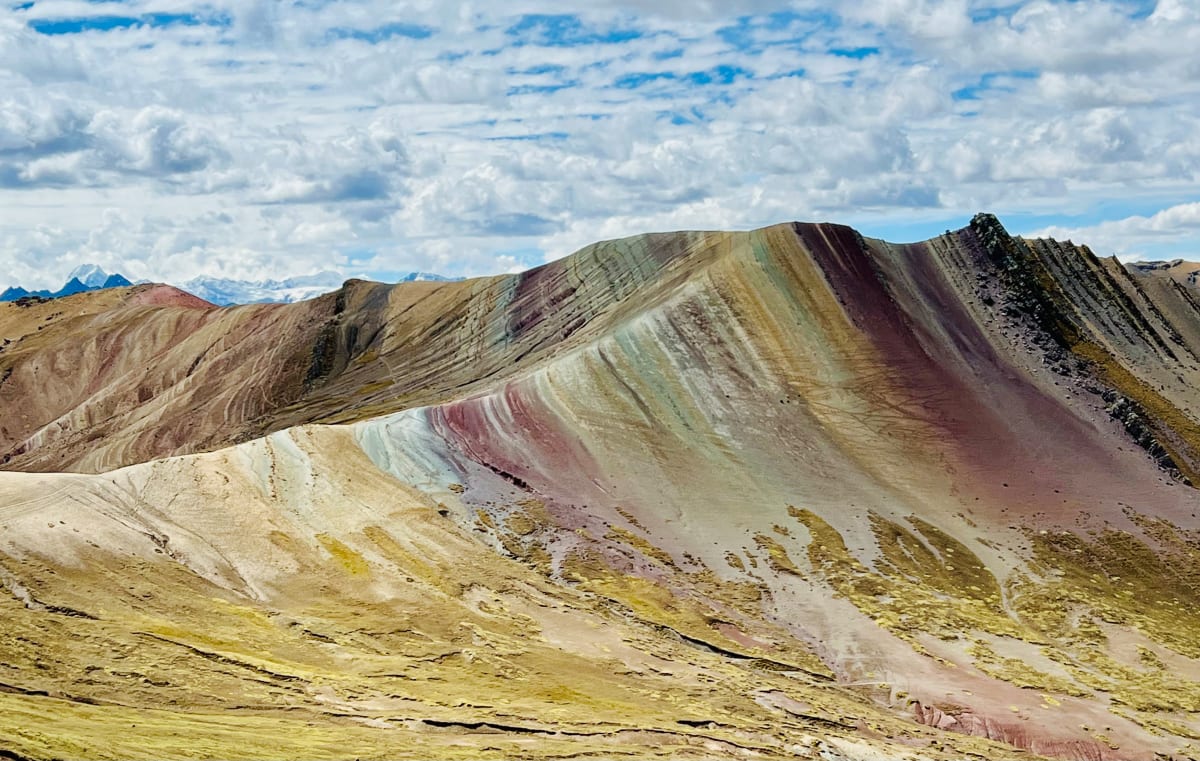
(154, 141)
(1136, 237)
(266, 139)
(28, 59)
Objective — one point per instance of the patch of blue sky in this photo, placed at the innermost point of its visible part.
(792, 74)
(1090, 215)
(718, 75)
(357, 256)
(684, 118)
(596, 65)
(566, 30)
(547, 89)
(667, 55)
(530, 138)
(1134, 9)
(856, 53)
(640, 78)
(908, 230)
(931, 223)
(722, 97)
(528, 256)
(992, 81)
(1140, 9)
(79, 25)
(723, 74)
(752, 34)
(384, 32)
(982, 15)
(534, 71)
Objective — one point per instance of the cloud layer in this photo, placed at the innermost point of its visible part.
(269, 138)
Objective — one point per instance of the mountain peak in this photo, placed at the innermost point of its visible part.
(73, 286)
(86, 277)
(90, 275)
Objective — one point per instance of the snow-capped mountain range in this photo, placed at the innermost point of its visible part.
(89, 277)
(224, 291)
(219, 291)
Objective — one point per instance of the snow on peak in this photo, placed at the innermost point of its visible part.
(89, 274)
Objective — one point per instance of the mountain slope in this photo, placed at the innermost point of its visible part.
(150, 383)
(417, 634)
(788, 492)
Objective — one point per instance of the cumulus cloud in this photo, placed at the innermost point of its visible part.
(359, 165)
(266, 139)
(1137, 237)
(55, 144)
(27, 59)
(154, 141)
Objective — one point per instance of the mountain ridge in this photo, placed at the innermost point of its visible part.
(788, 492)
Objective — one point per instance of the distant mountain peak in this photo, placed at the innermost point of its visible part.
(226, 292)
(217, 290)
(90, 275)
(417, 277)
(86, 277)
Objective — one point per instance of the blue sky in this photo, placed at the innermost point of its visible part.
(273, 138)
